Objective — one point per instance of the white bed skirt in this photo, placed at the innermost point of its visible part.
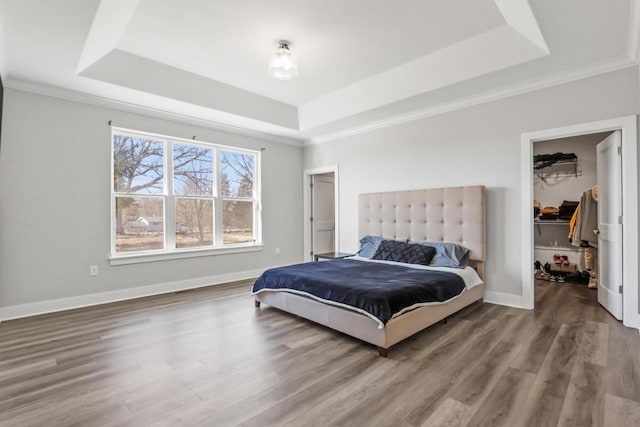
(363, 327)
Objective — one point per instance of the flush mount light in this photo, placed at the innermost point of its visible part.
(283, 64)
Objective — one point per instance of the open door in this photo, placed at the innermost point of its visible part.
(610, 224)
(322, 213)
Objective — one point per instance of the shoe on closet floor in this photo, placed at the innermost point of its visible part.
(565, 260)
(593, 283)
(557, 259)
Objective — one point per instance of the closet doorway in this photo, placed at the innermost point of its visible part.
(585, 227)
(574, 221)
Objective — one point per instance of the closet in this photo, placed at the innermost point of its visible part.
(565, 173)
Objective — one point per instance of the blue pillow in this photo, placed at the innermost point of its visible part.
(369, 246)
(448, 254)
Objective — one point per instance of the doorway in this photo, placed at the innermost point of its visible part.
(321, 211)
(322, 219)
(616, 158)
(572, 217)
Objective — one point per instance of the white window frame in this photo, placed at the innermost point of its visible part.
(169, 199)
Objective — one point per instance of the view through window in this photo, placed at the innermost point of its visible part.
(171, 194)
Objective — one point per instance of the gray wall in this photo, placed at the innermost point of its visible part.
(54, 202)
(476, 145)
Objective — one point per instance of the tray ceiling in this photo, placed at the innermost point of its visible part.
(207, 59)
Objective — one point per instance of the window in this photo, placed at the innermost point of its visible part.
(174, 195)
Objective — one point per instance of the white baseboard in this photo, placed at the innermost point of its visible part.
(51, 306)
(499, 298)
(633, 322)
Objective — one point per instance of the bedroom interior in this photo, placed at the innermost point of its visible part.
(163, 260)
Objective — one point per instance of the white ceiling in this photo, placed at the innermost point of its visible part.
(207, 59)
(337, 43)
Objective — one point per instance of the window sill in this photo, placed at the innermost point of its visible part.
(180, 254)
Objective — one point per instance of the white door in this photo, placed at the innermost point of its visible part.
(609, 224)
(322, 213)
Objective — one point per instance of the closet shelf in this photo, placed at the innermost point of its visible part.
(539, 222)
(559, 169)
(559, 248)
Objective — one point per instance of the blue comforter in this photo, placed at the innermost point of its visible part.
(379, 289)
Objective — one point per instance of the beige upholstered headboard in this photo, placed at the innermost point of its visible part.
(455, 215)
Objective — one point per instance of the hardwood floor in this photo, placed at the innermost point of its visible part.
(207, 357)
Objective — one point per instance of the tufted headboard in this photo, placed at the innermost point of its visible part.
(454, 214)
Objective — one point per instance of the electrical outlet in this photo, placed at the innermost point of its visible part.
(277, 251)
(93, 270)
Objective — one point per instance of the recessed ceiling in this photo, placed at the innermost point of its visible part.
(337, 43)
(208, 59)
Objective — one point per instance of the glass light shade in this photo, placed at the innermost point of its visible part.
(283, 64)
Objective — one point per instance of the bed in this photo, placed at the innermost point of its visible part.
(454, 215)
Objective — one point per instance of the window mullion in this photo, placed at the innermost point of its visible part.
(170, 202)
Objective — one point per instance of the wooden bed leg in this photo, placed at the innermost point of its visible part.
(257, 303)
(383, 352)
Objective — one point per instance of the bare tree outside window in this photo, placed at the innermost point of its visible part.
(193, 176)
(143, 190)
(138, 170)
(238, 174)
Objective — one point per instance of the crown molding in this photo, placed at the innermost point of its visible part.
(615, 64)
(100, 101)
(633, 40)
(530, 86)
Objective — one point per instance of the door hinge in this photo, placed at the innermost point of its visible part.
(620, 150)
(620, 289)
(311, 253)
(620, 219)
(311, 184)
(311, 219)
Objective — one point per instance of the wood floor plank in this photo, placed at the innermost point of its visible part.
(502, 407)
(296, 404)
(453, 374)
(594, 343)
(545, 400)
(159, 410)
(535, 351)
(623, 364)
(450, 413)
(341, 400)
(208, 357)
(620, 412)
(417, 394)
(584, 401)
(485, 373)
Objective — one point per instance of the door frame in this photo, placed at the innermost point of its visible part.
(628, 127)
(306, 181)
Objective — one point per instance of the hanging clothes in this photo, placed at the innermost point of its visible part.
(588, 223)
(567, 209)
(573, 226)
(584, 221)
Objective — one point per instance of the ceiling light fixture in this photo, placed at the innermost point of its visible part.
(283, 64)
